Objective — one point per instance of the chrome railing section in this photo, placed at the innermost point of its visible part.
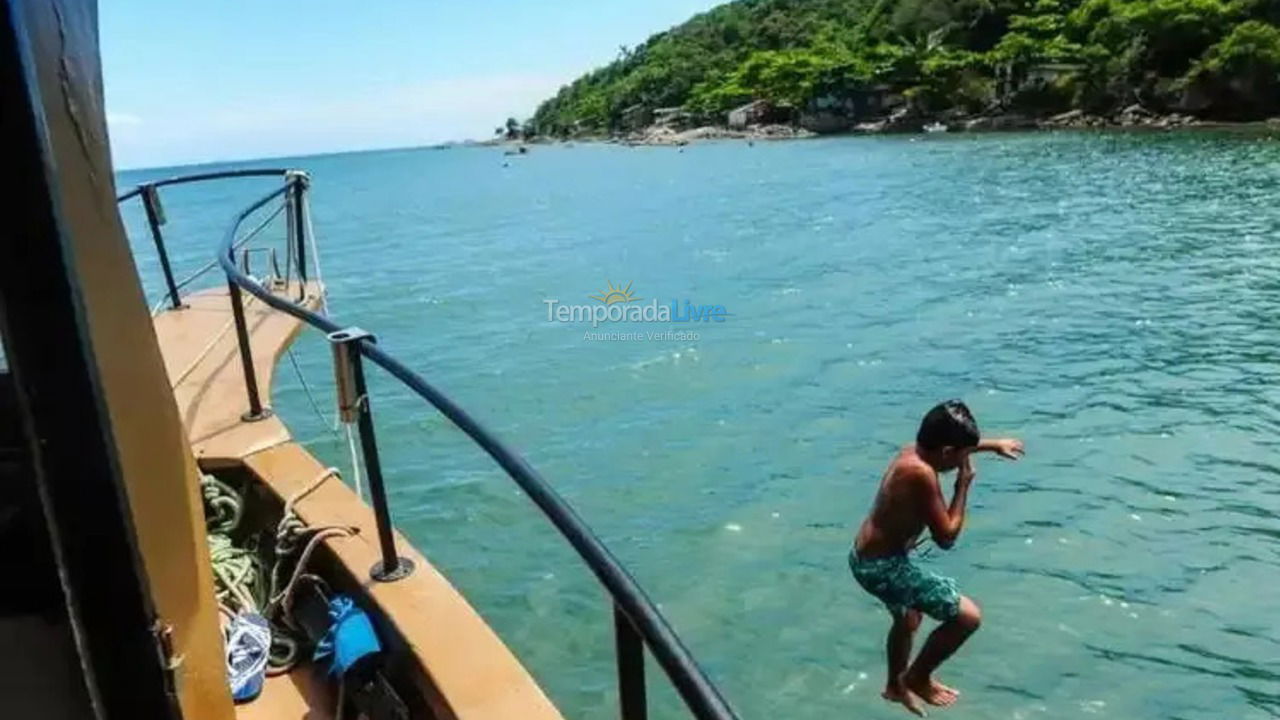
(637, 622)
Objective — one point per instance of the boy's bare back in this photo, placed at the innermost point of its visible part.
(897, 516)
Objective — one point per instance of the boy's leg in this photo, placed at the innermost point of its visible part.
(898, 648)
(901, 636)
(942, 643)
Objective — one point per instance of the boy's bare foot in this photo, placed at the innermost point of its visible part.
(898, 693)
(947, 689)
(930, 690)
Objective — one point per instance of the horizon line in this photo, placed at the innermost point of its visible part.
(275, 158)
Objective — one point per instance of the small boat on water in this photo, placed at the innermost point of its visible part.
(171, 550)
(935, 127)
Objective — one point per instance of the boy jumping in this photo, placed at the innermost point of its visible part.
(908, 501)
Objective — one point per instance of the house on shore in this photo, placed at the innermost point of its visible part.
(838, 112)
(676, 118)
(1011, 79)
(636, 117)
(753, 113)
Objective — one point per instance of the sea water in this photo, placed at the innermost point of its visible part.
(1112, 299)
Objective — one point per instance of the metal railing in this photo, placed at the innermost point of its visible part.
(637, 622)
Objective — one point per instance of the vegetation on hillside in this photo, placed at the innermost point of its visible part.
(1215, 58)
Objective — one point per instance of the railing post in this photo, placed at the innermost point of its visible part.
(631, 692)
(256, 411)
(155, 218)
(299, 182)
(290, 241)
(353, 404)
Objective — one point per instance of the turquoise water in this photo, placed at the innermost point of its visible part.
(1112, 299)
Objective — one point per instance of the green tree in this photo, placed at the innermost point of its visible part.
(949, 53)
(1242, 71)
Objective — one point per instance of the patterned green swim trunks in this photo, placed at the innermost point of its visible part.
(900, 584)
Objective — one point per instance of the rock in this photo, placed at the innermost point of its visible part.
(1135, 114)
(1195, 97)
(707, 132)
(871, 127)
(1070, 118)
(904, 120)
(999, 122)
(665, 135)
(777, 132)
(824, 121)
(1073, 119)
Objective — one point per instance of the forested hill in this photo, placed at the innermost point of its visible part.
(1213, 58)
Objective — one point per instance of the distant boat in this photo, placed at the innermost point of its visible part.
(935, 127)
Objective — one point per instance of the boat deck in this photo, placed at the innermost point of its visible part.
(202, 358)
(465, 670)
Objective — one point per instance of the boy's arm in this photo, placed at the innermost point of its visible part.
(945, 522)
(1004, 447)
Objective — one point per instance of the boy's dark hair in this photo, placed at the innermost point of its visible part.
(948, 424)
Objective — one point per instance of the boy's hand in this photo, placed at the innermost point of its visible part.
(1010, 448)
(965, 473)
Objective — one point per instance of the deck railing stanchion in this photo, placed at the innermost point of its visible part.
(630, 649)
(299, 182)
(353, 404)
(256, 411)
(155, 218)
(289, 239)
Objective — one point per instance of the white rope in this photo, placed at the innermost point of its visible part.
(355, 461)
(310, 488)
(286, 534)
(309, 227)
(330, 425)
(315, 254)
(209, 348)
(284, 599)
(201, 356)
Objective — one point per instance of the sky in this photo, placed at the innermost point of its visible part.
(214, 80)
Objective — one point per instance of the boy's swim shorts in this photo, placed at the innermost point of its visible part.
(900, 584)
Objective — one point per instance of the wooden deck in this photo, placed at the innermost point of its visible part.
(463, 668)
(202, 358)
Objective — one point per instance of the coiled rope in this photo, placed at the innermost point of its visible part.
(242, 583)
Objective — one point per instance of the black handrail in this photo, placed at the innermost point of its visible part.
(637, 620)
(149, 191)
(201, 177)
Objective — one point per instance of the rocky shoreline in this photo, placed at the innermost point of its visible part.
(664, 135)
(1133, 116)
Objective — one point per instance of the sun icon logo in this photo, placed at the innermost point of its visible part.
(616, 295)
